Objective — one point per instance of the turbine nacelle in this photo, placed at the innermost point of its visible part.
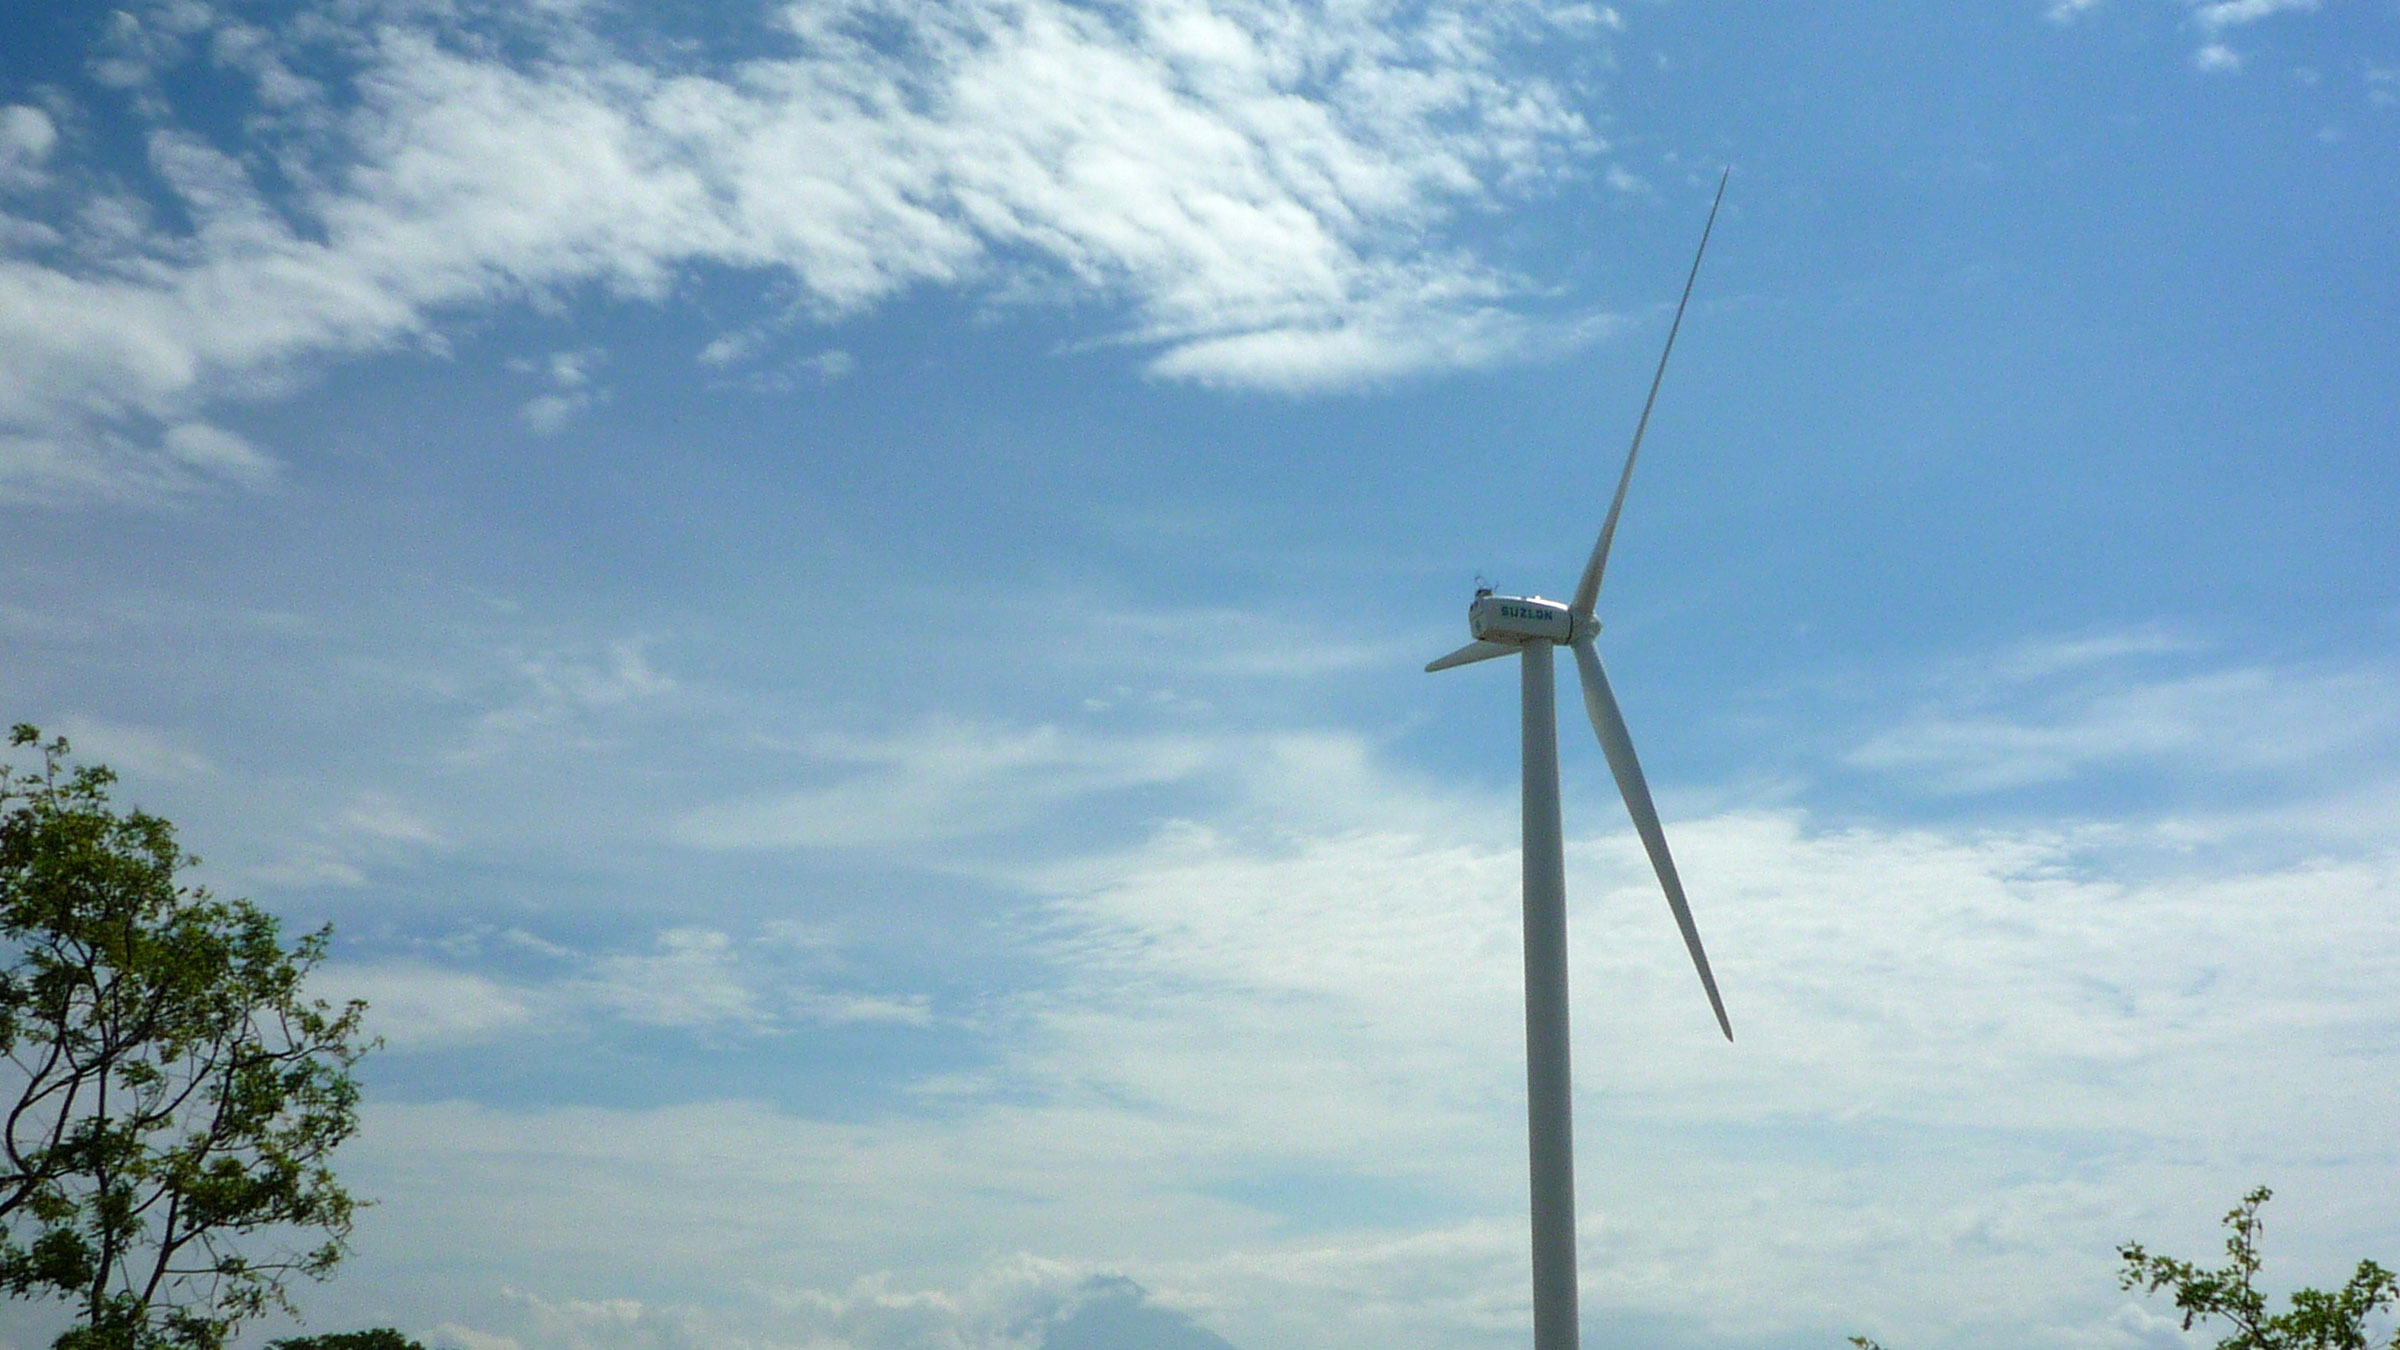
(1518, 619)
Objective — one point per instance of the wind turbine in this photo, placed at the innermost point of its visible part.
(1531, 627)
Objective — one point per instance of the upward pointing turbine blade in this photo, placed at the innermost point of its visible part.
(1609, 724)
(1587, 591)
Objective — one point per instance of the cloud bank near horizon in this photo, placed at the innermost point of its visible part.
(1972, 1056)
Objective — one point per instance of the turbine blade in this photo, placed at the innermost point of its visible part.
(1587, 591)
(1470, 654)
(1609, 724)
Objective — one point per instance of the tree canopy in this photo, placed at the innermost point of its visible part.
(173, 1096)
(2316, 1319)
(381, 1338)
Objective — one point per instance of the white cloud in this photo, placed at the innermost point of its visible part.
(2047, 712)
(833, 1009)
(217, 453)
(778, 377)
(2036, 658)
(415, 1007)
(58, 467)
(689, 978)
(2216, 15)
(27, 136)
(1373, 340)
(2214, 19)
(1267, 1066)
(308, 866)
(1100, 637)
(139, 751)
(550, 413)
(378, 816)
(1971, 1046)
(732, 347)
(1994, 1054)
(947, 779)
(569, 375)
(375, 828)
(572, 370)
(1255, 185)
(1008, 1305)
(566, 699)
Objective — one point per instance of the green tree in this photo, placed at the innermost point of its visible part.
(172, 1095)
(381, 1338)
(2316, 1320)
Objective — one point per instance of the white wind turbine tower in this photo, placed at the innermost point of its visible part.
(1530, 626)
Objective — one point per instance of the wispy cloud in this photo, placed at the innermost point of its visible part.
(1973, 1046)
(560, 697)
(413, 1006)
(1259, 188)
(142, 751)
(572, 390)
(2216, 15)
(27, 136)
(1969, 1043)
(377, 815)
(1970, 1056)
(2037, 658)
(695, 980)
(2051, 710)
(2216, 18)
(340, 846)
(948, 779)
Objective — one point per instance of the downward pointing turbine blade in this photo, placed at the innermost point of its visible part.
(1470, 654)
(1587, 591)
(1618, 746)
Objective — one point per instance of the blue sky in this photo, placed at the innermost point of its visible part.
(830, 597)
